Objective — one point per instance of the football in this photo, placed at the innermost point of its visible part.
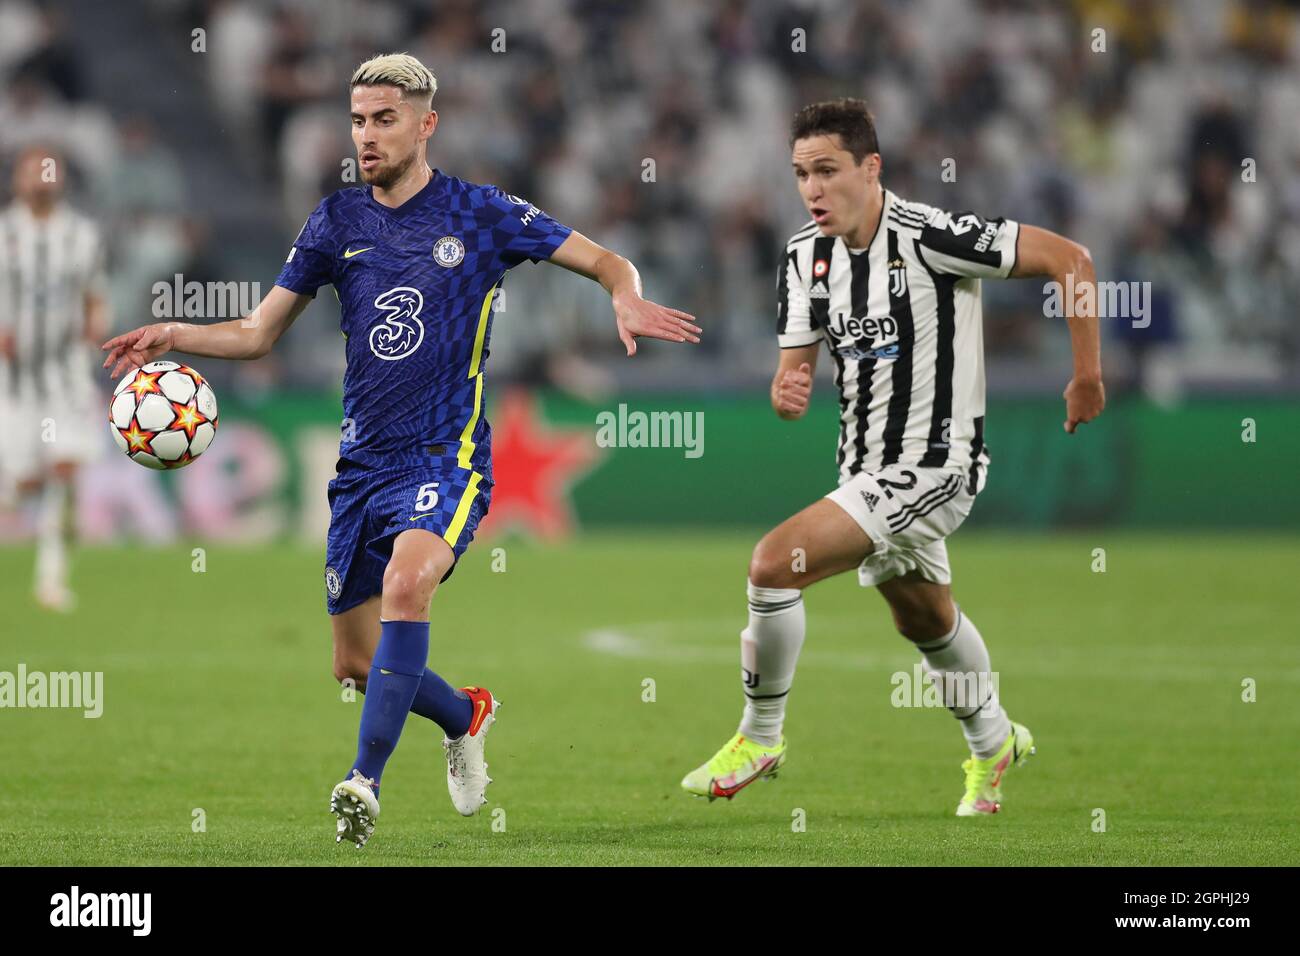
(163, 415)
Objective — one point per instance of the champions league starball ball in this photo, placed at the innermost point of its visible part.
(163, 415)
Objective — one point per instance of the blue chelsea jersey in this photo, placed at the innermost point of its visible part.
(416, 286)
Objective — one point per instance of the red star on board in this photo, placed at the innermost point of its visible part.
(533, 467)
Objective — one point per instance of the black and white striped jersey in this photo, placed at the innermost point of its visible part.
(902, 321)
(47, 265)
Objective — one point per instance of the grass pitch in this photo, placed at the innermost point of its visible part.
(219, 698)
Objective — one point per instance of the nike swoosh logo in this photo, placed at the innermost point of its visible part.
(477, 722)
(723, 791)
(349, 253)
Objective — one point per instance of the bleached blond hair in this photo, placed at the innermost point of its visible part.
(401, 70)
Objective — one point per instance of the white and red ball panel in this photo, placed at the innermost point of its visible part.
(170, 445)
(203, 436)
(122, 409)
(206, 400)
(154, 412)
(178, 386)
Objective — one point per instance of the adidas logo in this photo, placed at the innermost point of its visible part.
(871, 500)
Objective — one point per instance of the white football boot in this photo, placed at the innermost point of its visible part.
(355, 804)
(467, 777)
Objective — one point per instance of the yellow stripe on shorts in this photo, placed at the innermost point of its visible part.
(452, 534)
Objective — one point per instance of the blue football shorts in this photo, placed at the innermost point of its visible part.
(370, 507)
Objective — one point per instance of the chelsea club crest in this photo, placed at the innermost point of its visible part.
(448, 251)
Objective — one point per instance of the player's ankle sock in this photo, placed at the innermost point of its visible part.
(395, 675)
(51, 551)
(450, 709)
(769, 650)
(958, 663)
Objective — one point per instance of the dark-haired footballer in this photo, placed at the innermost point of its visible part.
(892, 288)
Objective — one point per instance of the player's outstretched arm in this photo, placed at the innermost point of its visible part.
(635, 316)
(1040, 252)
(792, 384)
(248, 338)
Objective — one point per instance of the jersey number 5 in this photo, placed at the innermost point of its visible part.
(427, 496)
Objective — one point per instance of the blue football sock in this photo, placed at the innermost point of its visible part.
(450, 709)
(395, 676)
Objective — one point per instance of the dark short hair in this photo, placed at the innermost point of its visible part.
(849, 118)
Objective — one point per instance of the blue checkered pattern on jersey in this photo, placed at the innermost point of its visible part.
(415, 284)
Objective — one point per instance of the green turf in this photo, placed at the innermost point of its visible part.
(219, 695)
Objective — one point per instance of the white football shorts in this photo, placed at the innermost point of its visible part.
(907, 511)
(37, 435)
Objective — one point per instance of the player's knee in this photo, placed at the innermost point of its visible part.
(409, 586)
(922, 622)
(351, 668)
(771, 567)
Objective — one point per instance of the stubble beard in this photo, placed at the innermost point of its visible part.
(385, 177)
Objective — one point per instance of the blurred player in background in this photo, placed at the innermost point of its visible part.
(893, 289)
(416, 257)
(53, 304)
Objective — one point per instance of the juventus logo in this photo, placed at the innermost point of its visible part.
(897, 278)
(750, 677)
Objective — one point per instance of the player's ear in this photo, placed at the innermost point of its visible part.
(428, 124)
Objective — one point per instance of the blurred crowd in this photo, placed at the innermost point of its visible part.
(1161, 134)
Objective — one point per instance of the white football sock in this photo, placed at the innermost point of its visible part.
(51, 551)
(958, 664)
(769, 651)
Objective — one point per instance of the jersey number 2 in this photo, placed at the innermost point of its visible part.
(886, 484)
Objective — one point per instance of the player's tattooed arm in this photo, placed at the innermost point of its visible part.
(792, 384)
(634, 315)
(248, 338)
(1041, 252)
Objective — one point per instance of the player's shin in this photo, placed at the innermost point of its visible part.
(446, 706)
(769, 651)
(51, 547)
(395, 674)
(958, 664)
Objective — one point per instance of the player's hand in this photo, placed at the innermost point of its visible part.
(138, 347)
(790, 398)
(637, 317)
(6, 345)
(1084, 400)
